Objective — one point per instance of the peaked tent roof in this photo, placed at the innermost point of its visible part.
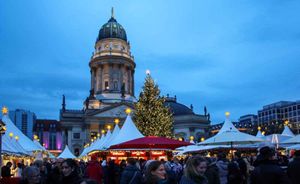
(24, 141)
(37, 143)
(115, 133)
(66, 153)
(259, 134)
(287, 131)
(227, 126)
(99, 143)
(229, 135)
(128, 132)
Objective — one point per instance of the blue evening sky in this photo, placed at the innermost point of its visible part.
(228, 55)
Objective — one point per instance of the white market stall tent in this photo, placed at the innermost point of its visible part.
(27, 144)
(128, 132)
(66, 153)
(230, 135)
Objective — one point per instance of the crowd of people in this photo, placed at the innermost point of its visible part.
(264, 169)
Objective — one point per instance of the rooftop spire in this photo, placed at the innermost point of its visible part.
(112, 12)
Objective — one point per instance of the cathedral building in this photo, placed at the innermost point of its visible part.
(112, 68)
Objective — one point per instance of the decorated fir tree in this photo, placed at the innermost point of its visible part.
(151, 116)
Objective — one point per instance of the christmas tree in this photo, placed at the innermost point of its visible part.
(151, 116)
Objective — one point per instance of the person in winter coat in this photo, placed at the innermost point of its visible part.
(70, 174)
(267, 170)
(94, 170)
(113, 172)
(155, 173)
(131, 174)
(5, 170)
(222, 165)
(31, 175)
(105, 171)
(294, 168)
(194, 171)
(212, 172)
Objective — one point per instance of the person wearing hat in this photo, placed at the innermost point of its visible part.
(294, 168)
(267, 170)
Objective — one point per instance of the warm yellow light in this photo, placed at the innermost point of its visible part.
(108, 127)
(98, 134)
(227, 114)
(35, 137)
(117, 121)
(192, 138)
(4, 110)
(128, 111)
(38, 140)
(180, 139)
(202, 139)
(286, 122)
(17, 137)
(259, 128)
(11, 134)
(92, 140)
(263, 132)
(102, 131)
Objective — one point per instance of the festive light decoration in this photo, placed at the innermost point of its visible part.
(202, 139)
(35, 137)
(98, 134)
(108, 127)
(128, 111)
(191, 138)
(259, 128)
(11, 135)
(103, 131)
(117, 121)
(4, 110)
(17, 138)
(227, 114)
(180, 139)
(286, 122)
(263, 132)
(151, 116)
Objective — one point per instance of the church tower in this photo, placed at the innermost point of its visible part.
(112, 67)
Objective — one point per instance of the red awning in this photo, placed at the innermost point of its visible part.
(151, 142)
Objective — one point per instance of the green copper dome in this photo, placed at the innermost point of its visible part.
(112, 29)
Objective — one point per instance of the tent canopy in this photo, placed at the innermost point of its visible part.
(151, 142)
(229, 135)
(66, 153)
(24, 141)
(128, 132)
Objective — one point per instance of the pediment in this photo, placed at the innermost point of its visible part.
(116, 111)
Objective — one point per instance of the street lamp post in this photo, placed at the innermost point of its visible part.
(2, 132)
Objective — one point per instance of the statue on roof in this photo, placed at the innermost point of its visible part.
(208, 117)
(63, 103)
(205, 111)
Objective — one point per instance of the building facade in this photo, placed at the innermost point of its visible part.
(187, 124)
(112, 69)
(24, 120)
(272, 117)
(49, 134)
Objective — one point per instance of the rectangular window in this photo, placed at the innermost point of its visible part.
(76, 135)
